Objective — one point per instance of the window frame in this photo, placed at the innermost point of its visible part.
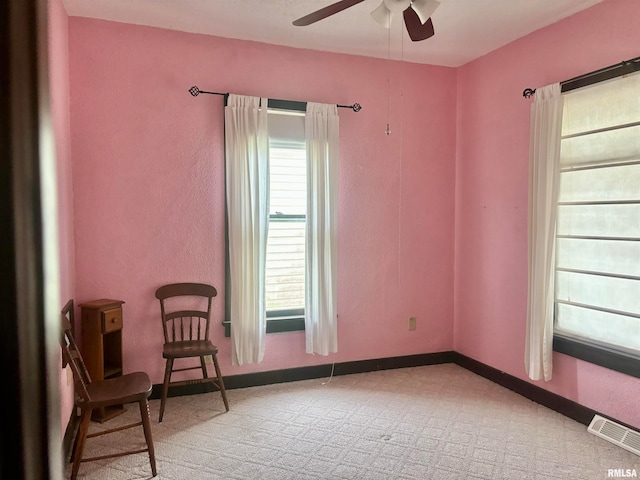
(278, 321)
(618, 359)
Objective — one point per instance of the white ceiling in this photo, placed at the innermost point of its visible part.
(465, 29)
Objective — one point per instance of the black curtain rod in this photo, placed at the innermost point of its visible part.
(600, 75)
(275, 103)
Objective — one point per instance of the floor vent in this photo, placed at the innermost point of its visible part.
(615, 433)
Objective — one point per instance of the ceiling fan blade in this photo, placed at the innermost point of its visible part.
(416, 29)
(325, 12)
(382, 15)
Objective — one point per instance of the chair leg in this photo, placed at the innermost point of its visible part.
(165, 386)
(75, 443)
(220, 382)
(81, 436)
(203, 366)
(146, 425)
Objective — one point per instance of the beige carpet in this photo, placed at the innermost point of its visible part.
(435, 422)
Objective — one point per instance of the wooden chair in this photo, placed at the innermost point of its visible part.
(186, 334)
(128, 388)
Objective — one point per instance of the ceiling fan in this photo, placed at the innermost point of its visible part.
(416, 13)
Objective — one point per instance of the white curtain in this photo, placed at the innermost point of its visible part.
(544, 161)
(247, 181)
(321, 134)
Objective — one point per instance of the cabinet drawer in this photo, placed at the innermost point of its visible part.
(111, 320)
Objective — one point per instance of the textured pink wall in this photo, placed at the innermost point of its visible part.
(149, 187)
(491, 196)
(59, 90)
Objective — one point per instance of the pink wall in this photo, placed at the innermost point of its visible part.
(59, 92)
(491, 196)
(149, 187)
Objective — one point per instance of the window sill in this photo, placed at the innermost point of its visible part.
(605, 356)
(275, 325)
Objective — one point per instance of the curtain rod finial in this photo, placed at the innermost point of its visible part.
(528, 92)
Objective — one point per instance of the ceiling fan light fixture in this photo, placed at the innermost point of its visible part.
(397, 6)
(425, 8)
(385, 11)
(382, 15)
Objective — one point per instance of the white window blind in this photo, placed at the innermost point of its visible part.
(285, 262)
(598, 226)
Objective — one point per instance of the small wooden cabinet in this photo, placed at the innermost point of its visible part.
(101, 323)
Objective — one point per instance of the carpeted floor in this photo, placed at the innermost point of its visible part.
(425, 423)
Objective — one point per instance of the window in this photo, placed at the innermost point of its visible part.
(250, 128)
(597, 305)
(285, 265)
(285, 262)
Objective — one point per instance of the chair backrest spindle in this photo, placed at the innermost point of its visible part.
(73, 358)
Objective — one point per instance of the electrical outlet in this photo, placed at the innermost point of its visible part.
(208, 360)
(412, 323)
